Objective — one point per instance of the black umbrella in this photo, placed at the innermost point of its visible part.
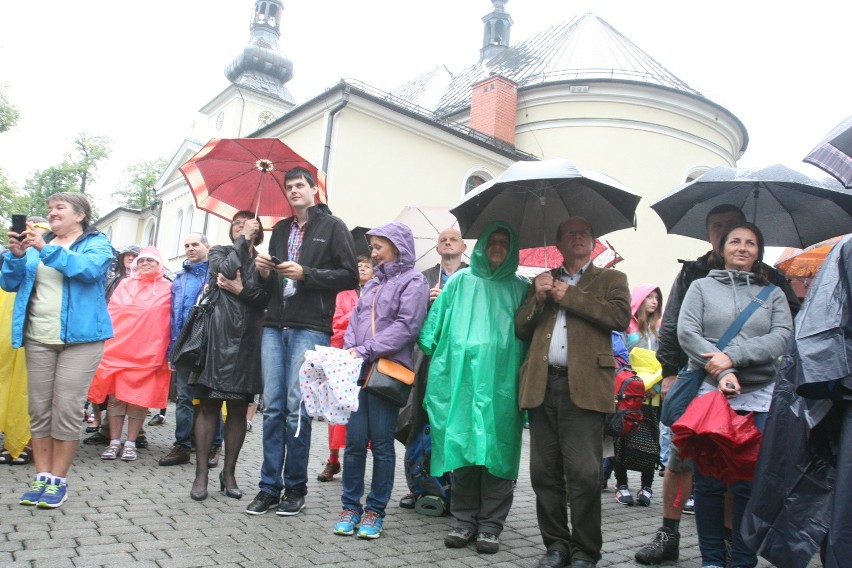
(790, 208)
(362, 245)
(535, 197)
(834, 153)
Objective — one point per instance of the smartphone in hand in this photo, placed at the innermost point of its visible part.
(19, 225)
(275, 260)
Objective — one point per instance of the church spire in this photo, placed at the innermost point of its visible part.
(497, 25)
(262, 65)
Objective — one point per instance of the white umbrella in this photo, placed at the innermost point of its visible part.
(427, 223)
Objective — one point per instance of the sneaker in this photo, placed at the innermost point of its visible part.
(291, 504)
(689, 508)
(328, 472)
(111, 452)
(157, 420)
(487, 543)
(459, 537)
(644, 496)
(213, 456)
(262, 503)
(97, 439)
(177, 455)
(664, 548)
(32, 496)
(54, 496)
(371, 525)
(623, 496)
(346, 522)
(129, 453)
(90, 419)
(141, 441)
(249, 425)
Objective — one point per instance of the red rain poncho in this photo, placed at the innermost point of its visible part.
(134, 366)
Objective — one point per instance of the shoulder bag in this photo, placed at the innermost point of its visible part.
(688, 382)
(388, 380)
(190, 348)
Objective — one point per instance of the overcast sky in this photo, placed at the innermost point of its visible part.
(137, 72)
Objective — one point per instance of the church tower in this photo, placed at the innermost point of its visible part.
(497, 25)
(261, 65)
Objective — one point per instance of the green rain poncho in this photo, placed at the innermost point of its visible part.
(472, 391)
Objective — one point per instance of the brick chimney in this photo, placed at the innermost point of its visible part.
(493, 108)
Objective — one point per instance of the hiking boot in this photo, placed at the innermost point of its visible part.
(623, 496)
(177, 455)
(262, 503)
(32, 496)
(644, 496)
(54, 496)
(213, 457)
(142, 441)
(689, 508)
(111, 452)
(459, 537)
(664, 548)
(157, 420)
(371, 525)
(328, 472)
(487, 543)
(346, 522)
(291, 504)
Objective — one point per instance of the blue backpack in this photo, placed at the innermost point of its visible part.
(428, 488)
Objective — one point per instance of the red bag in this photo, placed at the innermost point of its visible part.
(629, 395)
(723, 443)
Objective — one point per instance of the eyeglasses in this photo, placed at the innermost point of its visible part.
(146, 261)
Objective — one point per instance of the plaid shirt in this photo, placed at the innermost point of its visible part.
(294, 244)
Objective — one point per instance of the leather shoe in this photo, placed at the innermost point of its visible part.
(409, 501)
(232, 492)
(213, 457)
(198, 495)
(553, 559)
(583, 564)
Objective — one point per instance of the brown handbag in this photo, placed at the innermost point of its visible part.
(388, 380)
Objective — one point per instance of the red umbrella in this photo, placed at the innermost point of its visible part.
(245, 174)
(834, 153)
(722, 443)
(603, 255)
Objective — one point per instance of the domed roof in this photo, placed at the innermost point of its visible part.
(585, 48)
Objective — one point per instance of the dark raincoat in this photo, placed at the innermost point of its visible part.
(803, 485)
(472, 390)
(233, 353)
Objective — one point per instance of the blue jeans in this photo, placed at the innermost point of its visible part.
(184, 411)
(709, 495)
(665, 442)
(373, 422)
(282, 352)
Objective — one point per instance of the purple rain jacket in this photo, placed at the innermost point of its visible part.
(402, 298)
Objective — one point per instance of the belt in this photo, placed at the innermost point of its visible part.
(557, 370)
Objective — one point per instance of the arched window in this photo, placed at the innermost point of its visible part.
(148, 233)
(187, 223)
(177, 233)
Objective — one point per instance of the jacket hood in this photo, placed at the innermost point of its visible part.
(741, 284)
(403, 239)
(479, 264)
(639, 294)
(149, 252)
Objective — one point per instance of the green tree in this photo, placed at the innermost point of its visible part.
(8, 113)
(8, 195)
(88, 150)
(139, 192)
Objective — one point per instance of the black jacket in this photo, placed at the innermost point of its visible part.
(328, 260)
(669, 353)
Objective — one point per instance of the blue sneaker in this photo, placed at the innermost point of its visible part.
(32, 496)
(346, 523)
(371, 525)
(54, 496)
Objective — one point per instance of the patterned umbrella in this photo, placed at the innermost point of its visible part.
(834, 153)
(245, 174)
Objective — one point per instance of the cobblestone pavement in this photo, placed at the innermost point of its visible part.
(140, 514)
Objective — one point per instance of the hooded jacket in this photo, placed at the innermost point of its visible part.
(328, 261)
(472, 390)
(710, 306)
(84, 266)
(639, 295)
(185, 291)
(400, 295)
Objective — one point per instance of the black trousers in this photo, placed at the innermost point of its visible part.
(566, 447)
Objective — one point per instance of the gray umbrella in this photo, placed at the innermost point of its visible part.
(834, 153)
(790, 208)
(534, 197)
